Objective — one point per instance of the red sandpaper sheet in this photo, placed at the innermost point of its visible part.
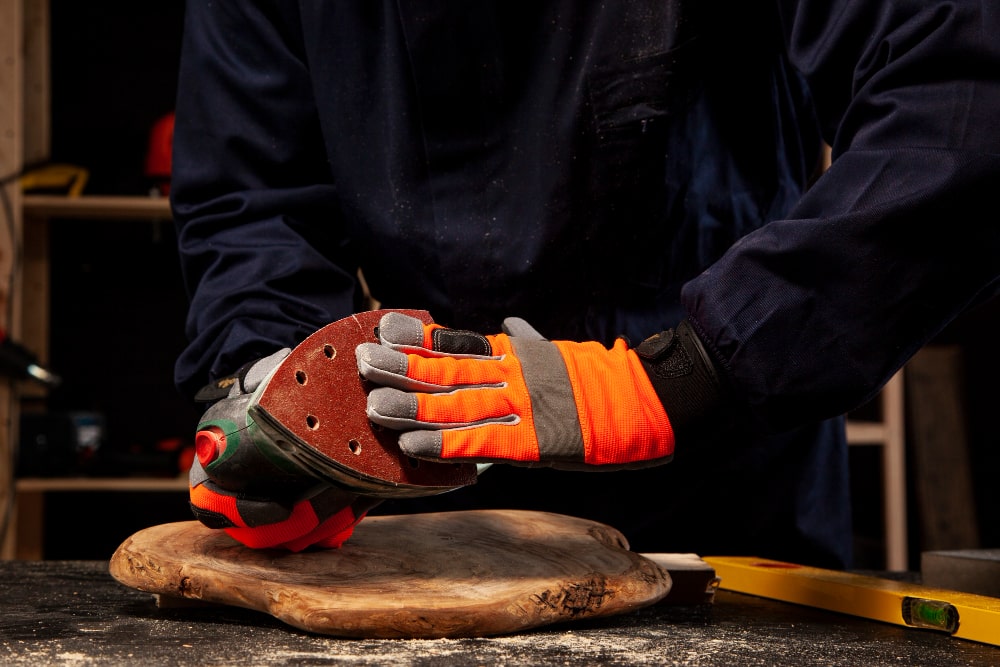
(319, 399)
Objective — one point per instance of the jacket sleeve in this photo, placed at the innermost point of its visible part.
(812, 314)
(251, 193)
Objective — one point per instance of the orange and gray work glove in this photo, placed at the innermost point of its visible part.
(239, 486)
(518, 398)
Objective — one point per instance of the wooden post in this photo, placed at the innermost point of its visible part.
(33, 325)
(11, 160)
(941, 467)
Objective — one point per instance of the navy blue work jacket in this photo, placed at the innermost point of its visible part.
(605, 169)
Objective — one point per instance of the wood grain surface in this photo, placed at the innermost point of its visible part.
(448, 574)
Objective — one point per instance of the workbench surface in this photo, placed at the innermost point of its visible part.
(75, 613)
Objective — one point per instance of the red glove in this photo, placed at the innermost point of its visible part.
(237, 485)
(324, 519)
(517, 399)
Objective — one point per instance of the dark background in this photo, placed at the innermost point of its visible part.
(117, 301)
(118, 305)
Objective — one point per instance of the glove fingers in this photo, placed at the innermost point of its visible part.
(408, 334)
(324, 519)
(389, 368)
(470, 406)
(456, 372)
(490, 444)
(515, 326)
(261, 524)
(336, 529)
(403, 410)
(414, 372)
(401, 332)
(219, 508)
(330, 533)
(301, 521)
(487, 442)
(338, 526)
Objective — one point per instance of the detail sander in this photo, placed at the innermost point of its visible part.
(301, 413)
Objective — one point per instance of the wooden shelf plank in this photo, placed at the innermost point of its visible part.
(866, 433)
(106, 207)
(46, 484)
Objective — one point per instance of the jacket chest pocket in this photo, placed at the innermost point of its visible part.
(635, 107)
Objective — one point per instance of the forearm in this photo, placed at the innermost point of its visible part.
(264, 255)
(811, 314)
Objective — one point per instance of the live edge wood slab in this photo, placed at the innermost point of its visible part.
(449, 574)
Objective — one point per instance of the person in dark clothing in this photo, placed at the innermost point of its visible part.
(606, 170)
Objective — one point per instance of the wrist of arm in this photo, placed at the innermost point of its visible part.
(693, 390)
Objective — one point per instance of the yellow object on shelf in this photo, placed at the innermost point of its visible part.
(62, 178)
(963, 615)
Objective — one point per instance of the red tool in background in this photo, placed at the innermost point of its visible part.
(159, 154)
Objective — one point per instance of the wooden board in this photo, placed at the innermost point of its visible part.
(448, 574)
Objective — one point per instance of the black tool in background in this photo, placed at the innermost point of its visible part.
(19, 362)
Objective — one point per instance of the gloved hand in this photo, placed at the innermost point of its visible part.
(323, 518)
(513, 397)
(257, 498)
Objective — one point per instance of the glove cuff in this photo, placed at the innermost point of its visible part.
(686, 381)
